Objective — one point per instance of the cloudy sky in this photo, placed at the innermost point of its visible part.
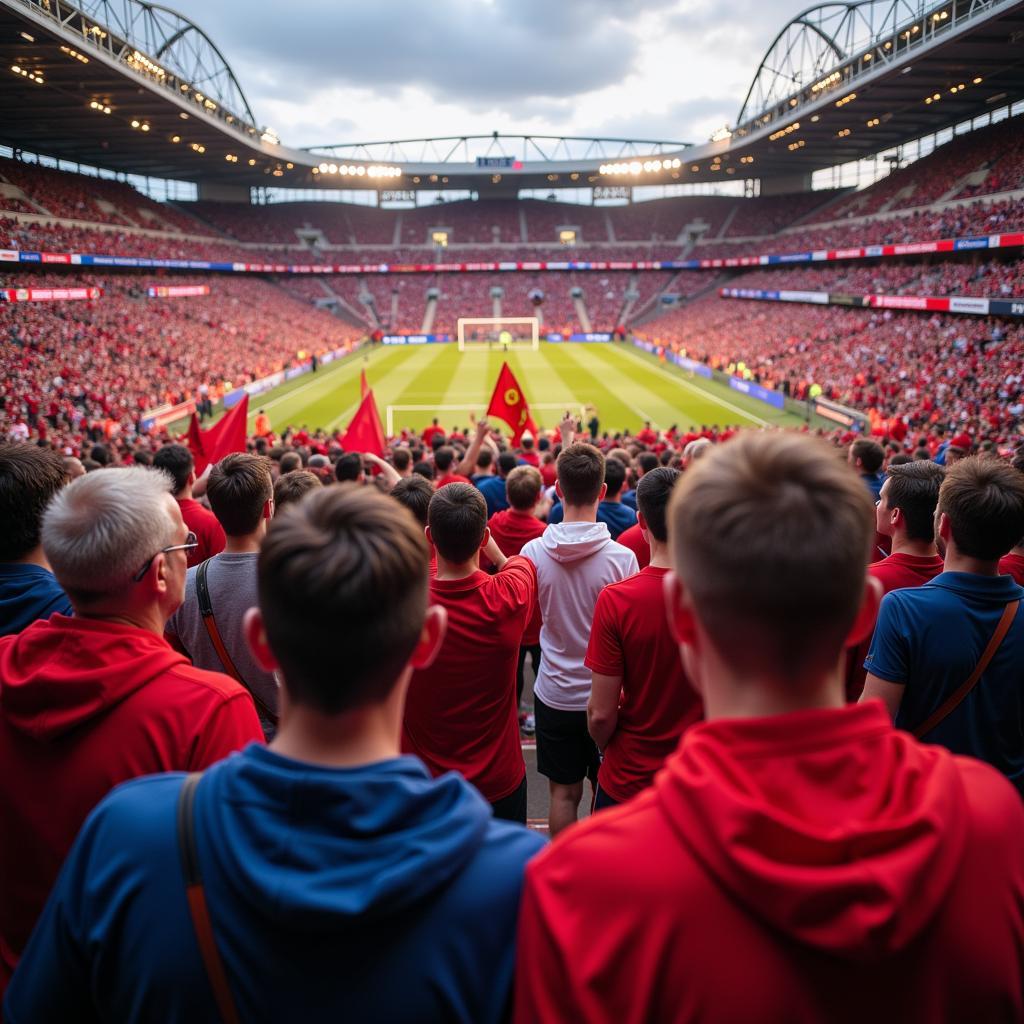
(323, 71)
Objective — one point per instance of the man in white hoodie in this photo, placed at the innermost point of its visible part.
(575, 560)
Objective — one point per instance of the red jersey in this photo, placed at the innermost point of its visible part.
(549, 474)
(451, 478)
(86, 704)
(428, 434)
(1013, 565)
(529, 458)
(203, 523)
(461, 714)
(896, 572)
(630, 638)
(633, 538)
(511, 529)
(855, 873)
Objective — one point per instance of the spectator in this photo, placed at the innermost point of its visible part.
(866, 457)
(906, 514)
(29, 478)
(493, 488)
(575, 560)
(434, 430)
(73, 468)
(290, 462)
(484, 467)
(444, 458)
(789, 832)
(375, 892)
(617, 516)
(176, 460)
(965, 627)
(641, 701)
(401, 459)
(414, 493)
(294, 486)
(460, 714)
(511, 529)
(90, 701)
(320, 466)
(349, 469)
(1013, 563)
(209, 630)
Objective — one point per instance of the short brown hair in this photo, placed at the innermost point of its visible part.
(523, 486)
(457, 518)
(580, 469)
(293, 486)
(414, 493)
(29, 477)
(343, 592)
(870, 453)
(913, 488)
(984, 501)
(771, 535)
(238, 488)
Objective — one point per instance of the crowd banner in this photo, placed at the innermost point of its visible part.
(159, 417)
(962, 304)
(177, 291)
(416, 339)
(48, 294)
(841, 414)
(754, 390)
(969, 243)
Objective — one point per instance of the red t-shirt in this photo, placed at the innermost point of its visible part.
(461, 712)
(1013, 565)
(451, 478)
(630, 638)
(897, 572)
(203, 523)
(529, 458)
(511, 529)
(633, 538)
(549, 474)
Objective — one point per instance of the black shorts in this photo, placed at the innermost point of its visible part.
(565, 752)
(513, 806)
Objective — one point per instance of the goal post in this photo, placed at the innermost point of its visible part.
(489, 332)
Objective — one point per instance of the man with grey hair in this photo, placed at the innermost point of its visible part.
(89, 701)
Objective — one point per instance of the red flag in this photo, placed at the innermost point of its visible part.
(227, 435)
(509, 404)
(365, 433)
(364, 387)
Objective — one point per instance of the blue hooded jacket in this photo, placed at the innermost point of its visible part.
(365, 894)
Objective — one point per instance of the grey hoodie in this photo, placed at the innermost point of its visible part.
(575, 562)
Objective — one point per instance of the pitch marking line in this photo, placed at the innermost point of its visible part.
(696, 390)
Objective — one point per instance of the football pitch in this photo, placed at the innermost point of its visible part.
(412, 384)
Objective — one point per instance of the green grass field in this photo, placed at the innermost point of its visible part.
(624, 384)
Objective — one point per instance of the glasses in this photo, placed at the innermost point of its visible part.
(191, 541)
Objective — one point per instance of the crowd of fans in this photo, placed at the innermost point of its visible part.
(788, 666)
(86, 370)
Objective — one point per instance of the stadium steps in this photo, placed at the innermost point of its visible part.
(9, 191)
(652, 308)
(429, 312)
(343, 308)
(396, 235)
(524, 230)
(581, 312)
(832, 200)
(609, 227)
(729, 218)
(975, 177)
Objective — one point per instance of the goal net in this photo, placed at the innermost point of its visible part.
(488, 332)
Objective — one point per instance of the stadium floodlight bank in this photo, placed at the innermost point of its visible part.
(487, 332)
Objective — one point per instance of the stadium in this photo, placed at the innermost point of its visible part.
(837, 270)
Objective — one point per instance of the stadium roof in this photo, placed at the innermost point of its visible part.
(136, 87)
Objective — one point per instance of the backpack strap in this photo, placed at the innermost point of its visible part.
(210, 622)
(957, 697)
(196, 895)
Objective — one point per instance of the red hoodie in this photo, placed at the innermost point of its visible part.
(816, 866)
(84, 705)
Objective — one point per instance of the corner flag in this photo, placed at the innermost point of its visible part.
(509, 404)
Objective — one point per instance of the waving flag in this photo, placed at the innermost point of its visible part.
(227, 435)
(508, 403)
(365, 433)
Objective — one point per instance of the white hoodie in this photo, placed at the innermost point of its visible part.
(574, 561)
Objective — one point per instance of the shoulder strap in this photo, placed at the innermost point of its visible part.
(196, 894)
(210, 622)
(956, 698)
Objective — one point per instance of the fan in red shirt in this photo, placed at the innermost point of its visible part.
(647, 435)
(460, 713)
(510, 530)
(855, 873)
(176, 460)
(905, 512)
(414, 493)
(435, 429)
(91, 701)
(640, 699)
(1013, 563)
(634, 539)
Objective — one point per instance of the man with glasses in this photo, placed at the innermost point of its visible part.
(89, 701)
